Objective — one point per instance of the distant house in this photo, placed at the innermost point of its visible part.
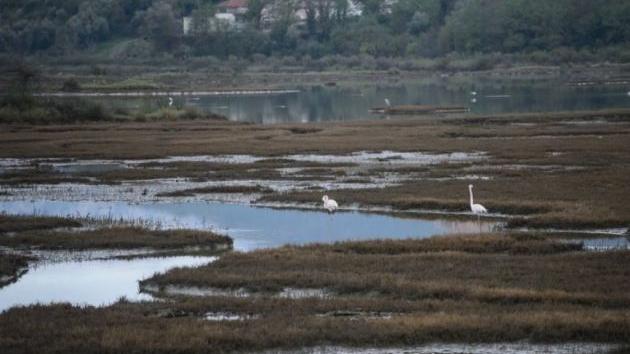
(237, 8)
(232, 14)
(187, 25)
(300, 13)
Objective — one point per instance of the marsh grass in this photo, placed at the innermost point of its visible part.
(116, 238)
(463, 289)
(38, 176)
(173, 114)
(521, 266)
(11, 223)
(556, 173)
(129, 328)
(11, 265)
(218, 189)
(198, 171)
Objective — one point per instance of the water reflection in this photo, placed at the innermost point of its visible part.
(339, 103)
(254, 227)
(96, 283)
(606, 244)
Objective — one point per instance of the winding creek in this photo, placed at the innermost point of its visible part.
(102, 281)
(250, 226)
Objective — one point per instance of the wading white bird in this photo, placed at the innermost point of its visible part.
(170, 101)
(330, 204)
(389, 104)
(476, 208)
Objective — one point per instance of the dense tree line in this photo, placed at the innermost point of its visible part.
(426, 28)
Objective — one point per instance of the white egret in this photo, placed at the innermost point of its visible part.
(473, 93)
(389, 104)
(330, 204)
(473, 100)
(477, 209)
(170, 101)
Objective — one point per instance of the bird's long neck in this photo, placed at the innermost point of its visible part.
(471, 196)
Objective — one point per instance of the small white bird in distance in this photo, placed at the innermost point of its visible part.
(170, 101)
(473, 93)
(389, 104)
(330, 204)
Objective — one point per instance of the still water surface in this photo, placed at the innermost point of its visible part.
(101, 282)
(97, 282)
(253, 227)
(345, 103)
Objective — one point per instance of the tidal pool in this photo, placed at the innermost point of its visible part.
(96, 282)
(254, 227)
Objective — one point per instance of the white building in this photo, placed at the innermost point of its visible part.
(231, 14)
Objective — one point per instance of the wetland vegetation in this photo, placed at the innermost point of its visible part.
(547, 170)
(142, 210)
(475, 289)
(24, 238)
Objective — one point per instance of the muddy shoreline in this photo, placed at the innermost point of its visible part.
(148, 78)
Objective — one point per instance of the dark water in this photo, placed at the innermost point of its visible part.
(321, 104)
(254, 227)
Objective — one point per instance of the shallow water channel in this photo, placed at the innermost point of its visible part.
(103, 281)
(250, 226)
(92, 282)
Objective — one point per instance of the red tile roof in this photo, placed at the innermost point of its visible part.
(234, 4)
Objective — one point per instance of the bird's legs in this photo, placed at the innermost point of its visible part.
(479, 223)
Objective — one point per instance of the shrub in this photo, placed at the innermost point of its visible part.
(70, 85)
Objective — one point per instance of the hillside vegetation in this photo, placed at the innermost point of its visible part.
(565, 29)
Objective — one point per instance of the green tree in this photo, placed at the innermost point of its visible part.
(371, 7)
(88, 25)
(23, 79)
(161, 27)
(340, 11)
(255, 12)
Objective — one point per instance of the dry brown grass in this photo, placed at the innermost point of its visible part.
(495, 268)
(141, 140)
(116, 238)
(513, 243)
(129, 328)
(469, 289)
(582, 182)
(11, 223)
(10, 265)
(217, 189)
(200, 171)
(38, 176)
